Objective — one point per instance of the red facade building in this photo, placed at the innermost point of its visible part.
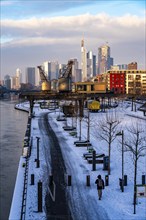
(116, 82)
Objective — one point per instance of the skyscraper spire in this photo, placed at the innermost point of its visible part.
(82, 41)
(83, 61)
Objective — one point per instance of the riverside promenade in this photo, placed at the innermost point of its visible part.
(35, 197)
(46, 172)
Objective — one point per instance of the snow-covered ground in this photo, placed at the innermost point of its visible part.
(115, 205)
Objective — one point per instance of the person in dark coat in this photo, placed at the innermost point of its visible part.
(100, 186)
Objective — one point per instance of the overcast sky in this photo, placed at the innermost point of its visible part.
(34, 31)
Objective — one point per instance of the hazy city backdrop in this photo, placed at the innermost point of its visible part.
(37, 31)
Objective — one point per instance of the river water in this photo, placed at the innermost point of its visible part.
(12, 130)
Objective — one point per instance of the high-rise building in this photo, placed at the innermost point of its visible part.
(7, 82)
(91, 65)
(18, 79)
(94, 66)
(105, 61)
(75, 68)
(51, 69)
(37, 77)
(30, 75)
(83, 61)
(78, 75)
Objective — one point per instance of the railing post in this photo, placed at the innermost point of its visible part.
(125, 180)
(32, 179)
(143, 179)
(94, 160)
(69, 180)
(39, 196)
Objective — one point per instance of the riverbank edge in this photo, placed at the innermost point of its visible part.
(21, 107)
(19, 183)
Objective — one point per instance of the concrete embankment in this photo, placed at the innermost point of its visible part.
(18, 205)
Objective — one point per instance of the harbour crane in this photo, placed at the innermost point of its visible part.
(46, 84)
(65, 78)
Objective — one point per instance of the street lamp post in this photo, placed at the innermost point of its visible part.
(122, 134)
(37, 160)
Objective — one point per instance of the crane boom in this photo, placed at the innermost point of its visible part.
(67, 71)
(42, 74)
(65, 78)
(46, 84)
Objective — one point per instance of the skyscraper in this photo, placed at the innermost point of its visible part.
(18, 78)
(75, 68)
(104, 59)
(51, 69)
(83, 61)
(91, 65)
(30, 75)
(7, 82)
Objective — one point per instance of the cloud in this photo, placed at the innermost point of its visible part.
(49, 30)
(35, 40)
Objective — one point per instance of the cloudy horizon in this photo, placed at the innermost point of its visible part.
(33, 32)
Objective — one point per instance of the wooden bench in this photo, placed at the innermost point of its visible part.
(61, 119)
(69, 128)
(76, 142)
(85, 144)
(96, 161)
(91, 156)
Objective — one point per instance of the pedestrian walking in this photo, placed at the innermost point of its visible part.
(100, 186)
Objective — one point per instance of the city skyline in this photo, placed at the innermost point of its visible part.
(53, 30)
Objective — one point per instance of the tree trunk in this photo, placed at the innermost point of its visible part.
(109, 155)
(135, 181)
(109, 150)
(135, 172)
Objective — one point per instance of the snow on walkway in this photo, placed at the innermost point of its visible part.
(83, 200)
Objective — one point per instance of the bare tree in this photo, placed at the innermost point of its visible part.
(89, 122)
(136, 144)
(107, 129)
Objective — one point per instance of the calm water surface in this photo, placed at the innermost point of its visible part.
(12, 130)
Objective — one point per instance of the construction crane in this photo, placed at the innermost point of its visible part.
(65, 78)
(46, 84)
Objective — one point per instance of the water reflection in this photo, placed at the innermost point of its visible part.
(12, 131)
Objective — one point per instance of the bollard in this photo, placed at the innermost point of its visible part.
(120, 183)
(69, 180)
(94, 160)
(37, 163)
(32, 179)
(106, 180)
(88, 180)
(125, 180)
(39, 196)
(50, 180)
(143, 179)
